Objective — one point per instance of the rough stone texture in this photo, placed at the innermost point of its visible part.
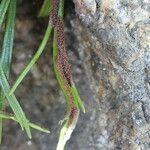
(108, 47)
(115, 54)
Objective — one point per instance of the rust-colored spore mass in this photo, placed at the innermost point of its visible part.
(54, 12)
(73, 112)
(62, 58)
(62, 61)
(73, 116)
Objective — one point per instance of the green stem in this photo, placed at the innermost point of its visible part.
(34, 59)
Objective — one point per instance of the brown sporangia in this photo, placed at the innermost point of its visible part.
(62, 61)
(64, 67)
(54, 13)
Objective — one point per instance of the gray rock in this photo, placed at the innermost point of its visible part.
(115, 44)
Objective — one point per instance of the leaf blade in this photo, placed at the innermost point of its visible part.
(77, 98)
(8, 38)
(32, 125)
(14, 104)
(45, 9)
(6, 54)
(3, 8)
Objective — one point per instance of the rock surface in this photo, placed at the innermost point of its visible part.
(108, 45)
(116, 59)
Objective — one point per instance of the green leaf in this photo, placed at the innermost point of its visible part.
(8, 38)
(61, 8)
(77, 98)
(33, 60)
(37, 127)
(32, 125)
(6, 53)
(3, 8)
(14, 104)
(46, 8)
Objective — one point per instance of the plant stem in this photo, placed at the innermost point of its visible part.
(33, 60)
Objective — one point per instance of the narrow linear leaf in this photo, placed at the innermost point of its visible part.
(37, 127)
(8, 38)
(32, 125)
(77, 98)
(3, 8)
(2, 96)
(6, 53)
(45, 9)
(24, 123)
(61, 8)
(33, 60)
